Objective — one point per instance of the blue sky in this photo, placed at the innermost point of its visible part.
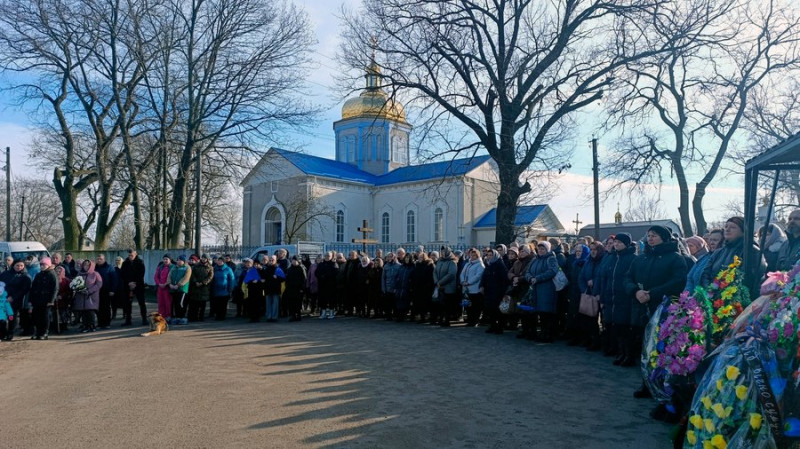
(573, 193)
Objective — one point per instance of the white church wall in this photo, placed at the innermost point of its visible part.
(354, 200)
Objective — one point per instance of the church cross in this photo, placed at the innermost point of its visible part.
(364, 230)
(578, 223)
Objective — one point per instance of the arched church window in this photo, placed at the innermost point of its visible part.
(340, 226)
(438, 225)
(411, 226)
(273, 227)
(385, 227)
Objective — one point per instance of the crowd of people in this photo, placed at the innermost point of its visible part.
(627, 278)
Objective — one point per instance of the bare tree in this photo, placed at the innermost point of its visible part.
(506, 76)
(685, 109)
(38, 222)
(303, 212)
(645, 208)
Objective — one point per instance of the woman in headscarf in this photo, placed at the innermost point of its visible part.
(44, 289)
(541, 272)
(589, 283)
(518, 285)
(295, 287)
(581, 254)
(64, 298)
(374, 276)
(699, 250)
(732, 247)
(493, 285)
(87, 300)
(445, 279)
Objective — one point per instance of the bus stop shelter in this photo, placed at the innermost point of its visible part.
(781, 158)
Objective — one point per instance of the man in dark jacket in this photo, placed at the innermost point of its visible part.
(41, 297)
(133, 286)
(108, 274)
(789, 253)
(18, 284)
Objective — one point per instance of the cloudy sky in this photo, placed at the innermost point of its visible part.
(573, 195)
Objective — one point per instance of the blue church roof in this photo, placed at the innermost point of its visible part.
(318, 166)
(525, 215)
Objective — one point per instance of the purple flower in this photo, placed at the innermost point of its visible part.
(773, 335)
(697, 351)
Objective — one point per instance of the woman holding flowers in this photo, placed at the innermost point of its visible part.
(659, 272)
(733, 246)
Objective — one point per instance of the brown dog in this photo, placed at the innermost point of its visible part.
(158, 325)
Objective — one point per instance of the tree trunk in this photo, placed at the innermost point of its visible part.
(510, 191)
(69, 215)
(178, 212)
(683, 204)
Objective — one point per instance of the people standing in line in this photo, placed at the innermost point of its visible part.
(471, 276)
(562, 300)
(163, 293)
(789, 253)
(132, 272)
(493, 284)
(445, 280)
(117, 294)
(87, 299)
(422, 285)
(402, 285)
(541, 272)
(107, 275)
(341, 284)
(18, 284)
(589, 283)
(273, 278)
(296, 280)
(351, 295)
(374, 293)
(180, 276)
(63, 298)
(615, 301)
(389, 285)
(222, 286)
(580, 254)
(326, 274)
(657, 273)
(41, 297)
(199, 289)
(240, 291)
(312, 285)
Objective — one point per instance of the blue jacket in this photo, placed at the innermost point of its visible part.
(223, 282)
(388, 277)
(544, 269)
(696, 272)
(5, 307)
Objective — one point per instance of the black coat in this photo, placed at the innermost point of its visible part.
(133, 271)
(421, 280)
(617, 303)
(494, 282)
(662, 271)
(326, 273)
(18, 284)
(44, 288)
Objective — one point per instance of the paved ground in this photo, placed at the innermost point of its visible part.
(319, 384)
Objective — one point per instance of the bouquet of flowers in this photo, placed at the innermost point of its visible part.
(724, 300)
(682, 339)
(78, 284)
(754, 378)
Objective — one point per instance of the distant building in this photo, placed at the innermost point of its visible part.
(637, 229)
(290, 196)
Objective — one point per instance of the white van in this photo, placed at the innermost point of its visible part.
(21, 250)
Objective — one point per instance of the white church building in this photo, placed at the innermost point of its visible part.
(291, 196)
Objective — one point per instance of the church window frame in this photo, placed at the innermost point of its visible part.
(438, 224)
(339, 225)
(411, 226)
(385, 227)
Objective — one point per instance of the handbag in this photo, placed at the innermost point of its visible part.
(560, 280)
(590, 305)
(507, 305)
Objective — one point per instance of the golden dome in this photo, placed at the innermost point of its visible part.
(373, 102)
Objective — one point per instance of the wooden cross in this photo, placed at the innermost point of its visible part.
(364, 230)
(578, 223)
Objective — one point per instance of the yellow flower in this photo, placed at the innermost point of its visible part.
(706, 402)
(741, 392)
(691, 437)
(732, 372)
(718, 441)
(707, 445)
(709, 425)
(697, 421)
(719, 384)
(728, 411)
(719, 410)
(755, 420)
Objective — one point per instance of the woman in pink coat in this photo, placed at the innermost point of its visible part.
(87, 299)
(163, 294)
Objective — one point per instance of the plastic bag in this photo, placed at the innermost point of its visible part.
(654, 376)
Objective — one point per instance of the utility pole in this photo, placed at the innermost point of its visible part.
(596, 170)
(21, 217)
(198, 207)
(8, 194)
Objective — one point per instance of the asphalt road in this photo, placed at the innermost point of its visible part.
(316, 384)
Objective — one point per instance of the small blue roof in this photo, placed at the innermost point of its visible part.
(525, 215)
(318, 166)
